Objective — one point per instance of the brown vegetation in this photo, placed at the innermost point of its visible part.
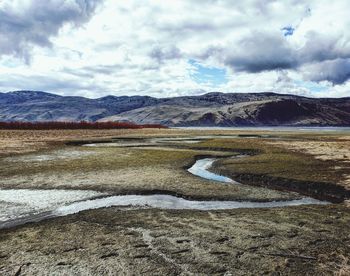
(75, 125)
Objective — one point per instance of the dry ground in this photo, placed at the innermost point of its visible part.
(304, 240)
(293, 241)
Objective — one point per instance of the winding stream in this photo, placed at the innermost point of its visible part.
(19, 206)
(201, 168)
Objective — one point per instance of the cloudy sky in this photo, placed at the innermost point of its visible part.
(163, 48)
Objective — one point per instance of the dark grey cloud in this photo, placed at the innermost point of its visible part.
(335, 71)
(110, 69)
(326, 58)
(319, 48)
(47, 83)
(91, 71)
(261, 52)
(102, 69)
(23, 25)
(165, 53)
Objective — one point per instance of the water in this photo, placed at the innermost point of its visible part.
(189, 140)
(17, 203)
(201, 168)
(174, 203)
(20, 206)
(280, 128)
(114, 144)
(11, 217)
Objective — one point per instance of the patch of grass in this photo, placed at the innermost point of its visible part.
(267, 160)
(274, 161)
(128, 170)
(162, 167)
(108, 158)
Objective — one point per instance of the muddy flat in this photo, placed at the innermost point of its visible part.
(175, 201)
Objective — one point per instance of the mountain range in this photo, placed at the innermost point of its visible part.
(211, 109)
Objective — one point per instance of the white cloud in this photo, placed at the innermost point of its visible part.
(143, 47)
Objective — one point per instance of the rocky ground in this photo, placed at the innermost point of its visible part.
(303, 240)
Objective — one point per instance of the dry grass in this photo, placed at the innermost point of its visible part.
(24, 141)
(344, 266)
(238, 242)
(333, 150)
(182, 242)
(275, 160)
(16, 141)
(120, 170)
(339, 264)
(290, 157)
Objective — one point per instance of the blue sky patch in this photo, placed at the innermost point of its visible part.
(312, 86)
(289, 30)
(207, 75)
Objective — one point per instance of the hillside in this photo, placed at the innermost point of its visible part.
(211, 109)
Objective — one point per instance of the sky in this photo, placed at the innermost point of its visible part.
(95, 48)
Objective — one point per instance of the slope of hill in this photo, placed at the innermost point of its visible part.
(211, 109)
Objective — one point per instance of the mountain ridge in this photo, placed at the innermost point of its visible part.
(209, 109)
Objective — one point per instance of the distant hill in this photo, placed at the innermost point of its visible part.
(211, 109)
